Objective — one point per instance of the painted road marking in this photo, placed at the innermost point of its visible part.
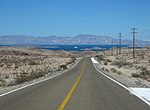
(94, 61)
(143, 92)
(128, 89)
(51, 77)
(66, 99)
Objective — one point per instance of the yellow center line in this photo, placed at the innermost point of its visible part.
(66, 99)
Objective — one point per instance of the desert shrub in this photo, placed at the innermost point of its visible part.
(142, 56)
(113, 70)
(142, 68)
(120, 64)
(119, 72)
(6, 76)
(73, 59)
(135, 75)
(33, 63)
(9, 60)
(107, 70)
(100, 57)
(35, 75)
(145, 72)
(23, 77)
(2, 82)
(69, 63)
(103, 68)
(0, 77)
(108, 60)
(138, 82)
(1, 64)
(16, 66)
(40, 73)
(149, 61)
(63, 66)
(105, 63)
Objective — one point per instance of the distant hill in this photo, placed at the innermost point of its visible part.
(53, 40)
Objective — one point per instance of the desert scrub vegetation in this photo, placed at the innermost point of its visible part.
(18, 65)
(120, 64)
(114, 70)
(123, 67)
(100, 57)
(119, 72)
(135, 75)
(24, 77)
(63, 67)
(105, 63)
(103, 59)
(144, 73)
(103, 68)
(72, 60)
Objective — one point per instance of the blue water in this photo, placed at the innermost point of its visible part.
(79, 47)
(72, 47)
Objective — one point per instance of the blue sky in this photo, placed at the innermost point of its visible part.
(74, 17)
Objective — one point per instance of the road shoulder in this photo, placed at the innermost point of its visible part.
(134, 91)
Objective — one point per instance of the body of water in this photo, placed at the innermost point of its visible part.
(69, 47)
(78, 47)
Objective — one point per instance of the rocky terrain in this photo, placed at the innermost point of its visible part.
(122, 67)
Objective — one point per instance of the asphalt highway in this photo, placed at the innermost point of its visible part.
(81, 88)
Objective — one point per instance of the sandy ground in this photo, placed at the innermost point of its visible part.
(18, 65)
(122, 67)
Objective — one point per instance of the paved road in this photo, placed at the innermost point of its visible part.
(82, 88)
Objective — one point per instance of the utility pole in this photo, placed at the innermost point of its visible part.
(117, 49)
(120, 42)
(112, 48)
(133, 34)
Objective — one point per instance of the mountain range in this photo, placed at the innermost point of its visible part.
(54, 40)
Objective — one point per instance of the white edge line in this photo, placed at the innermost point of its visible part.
(38, 81)
(131, 91)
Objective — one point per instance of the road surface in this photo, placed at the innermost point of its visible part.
(81, 88)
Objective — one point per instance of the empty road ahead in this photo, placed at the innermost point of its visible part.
(81, 88)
